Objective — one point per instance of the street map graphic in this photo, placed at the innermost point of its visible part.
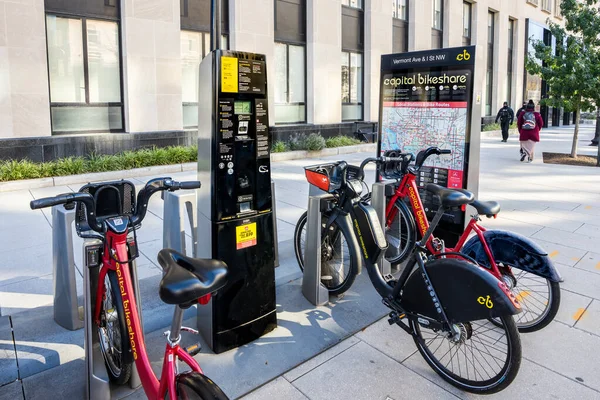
(413, 126)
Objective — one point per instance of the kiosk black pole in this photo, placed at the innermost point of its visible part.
(215, 24)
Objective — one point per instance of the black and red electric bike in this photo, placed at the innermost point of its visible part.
(108, 211)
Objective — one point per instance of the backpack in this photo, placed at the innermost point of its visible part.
(504, 114)
(528, 121)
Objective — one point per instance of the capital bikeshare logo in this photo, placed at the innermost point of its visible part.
(464, 56)
(421, 220)
(127, 309)
(486, 301)
(425, 79)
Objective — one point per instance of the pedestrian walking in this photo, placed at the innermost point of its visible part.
(529, 123)
(506, 115)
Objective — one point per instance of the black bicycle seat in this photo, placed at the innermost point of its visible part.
(186, 279)
(450, 197)
(487, 208)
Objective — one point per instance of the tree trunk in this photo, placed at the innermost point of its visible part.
(576, 134)
(598, 157)
(597, 133)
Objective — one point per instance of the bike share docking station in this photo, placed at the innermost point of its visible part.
(313, 288)
(66, 310)
(235, 202)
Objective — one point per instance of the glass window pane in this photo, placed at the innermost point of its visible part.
(191, 55)
(190, 115)
(355, 78)
(402, 11)
(345, 78)
(289, 113)
(466, 19)
(351, 112)
(225, 42)
(65, 59)
(72, 119)
(296, 74)
(207, 44)
(281, 92)
(437, 14)
(103, 61)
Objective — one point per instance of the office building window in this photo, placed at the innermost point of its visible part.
(400, 9)
(547, 5)
(489, 76)
(194, 47)
(557, 11)
(509, 66)
(437, 26)
(85, 74)
(352, 86)
(353, 3)
(290, 83)
(467, 18)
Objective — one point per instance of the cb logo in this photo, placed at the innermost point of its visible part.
(485, 301)
(464, 56)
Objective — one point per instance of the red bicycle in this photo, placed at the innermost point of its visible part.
(108, 211)
(521, 264)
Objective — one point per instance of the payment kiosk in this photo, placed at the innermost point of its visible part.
(235, 202)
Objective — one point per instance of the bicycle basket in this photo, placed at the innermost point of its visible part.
(320, 176)
(395, 169)
(112, 199)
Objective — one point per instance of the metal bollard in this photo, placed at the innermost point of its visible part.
(378, 201)
(66, 309)
(175, 207)
(312, 288)
(275, 240)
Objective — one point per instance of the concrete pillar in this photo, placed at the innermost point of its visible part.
(479, 38)
(151, 65)
(252, 29)
(500, 61)
(24, 93)
(323, 61)
(378, 41)
(453, 23)
(518, 63)
(420, 21)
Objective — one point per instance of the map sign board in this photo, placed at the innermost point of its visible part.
(425, 100)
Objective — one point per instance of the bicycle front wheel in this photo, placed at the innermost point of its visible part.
(401, 234)
(338, 264)
(112, 332)
(196, 386)
(477, 356)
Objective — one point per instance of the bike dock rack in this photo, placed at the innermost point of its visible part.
(66, 308)
(176, 206)
(378, 201)
(98, 384)
(312, 288)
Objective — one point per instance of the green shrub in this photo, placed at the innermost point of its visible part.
(496, 127)
(339, 141)
(297, 142)
(314, 142)
(279, 147)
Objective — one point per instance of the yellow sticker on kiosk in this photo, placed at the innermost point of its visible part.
(245, 236)
(229, 74)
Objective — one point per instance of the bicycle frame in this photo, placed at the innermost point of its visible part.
(408, 188)
(115, 250)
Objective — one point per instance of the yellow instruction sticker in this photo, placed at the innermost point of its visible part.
(229, 74)
(245, 236)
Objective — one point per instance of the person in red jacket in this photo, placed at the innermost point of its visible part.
(529, 123)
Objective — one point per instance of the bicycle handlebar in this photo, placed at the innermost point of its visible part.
(378, 160)
(143, 197)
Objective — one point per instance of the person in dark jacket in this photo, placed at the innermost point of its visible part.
(506, 116)
(521, 110)
(529, 123)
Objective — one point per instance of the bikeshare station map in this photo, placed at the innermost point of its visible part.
(425, 102)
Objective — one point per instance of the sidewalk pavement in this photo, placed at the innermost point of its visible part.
(344, 349)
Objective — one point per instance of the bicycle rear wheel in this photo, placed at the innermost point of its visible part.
(338, 265)
(401, 234)
(478, 356)
(196, 386)
(112, 332)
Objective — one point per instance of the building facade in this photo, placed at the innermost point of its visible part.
(70, 70)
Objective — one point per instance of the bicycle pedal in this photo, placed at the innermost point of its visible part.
(395, 318)
(193, 349)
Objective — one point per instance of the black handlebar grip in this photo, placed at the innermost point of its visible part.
(49, 201)
(190, 185)
(445, 151)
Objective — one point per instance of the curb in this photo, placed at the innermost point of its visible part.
(27, 184)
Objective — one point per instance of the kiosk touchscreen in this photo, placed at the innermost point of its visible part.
(235, 221)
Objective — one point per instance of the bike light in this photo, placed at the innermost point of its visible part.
(204, 299)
